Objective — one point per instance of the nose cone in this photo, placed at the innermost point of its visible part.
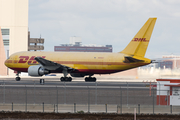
(7, 62)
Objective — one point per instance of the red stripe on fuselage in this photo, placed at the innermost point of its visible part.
(98, 63)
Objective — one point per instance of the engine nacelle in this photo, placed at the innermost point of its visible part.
(37, 70)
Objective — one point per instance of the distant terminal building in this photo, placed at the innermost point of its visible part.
(169, 62)
(76, 46)
(35, 43)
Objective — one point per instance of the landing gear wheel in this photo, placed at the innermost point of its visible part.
(66, 79)
(69, 79)
(41, 81)
(93, 79)
(18, 78)
(90, 79)
(86, 79)
(62, 79)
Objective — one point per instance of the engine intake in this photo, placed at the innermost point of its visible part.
(37, 71)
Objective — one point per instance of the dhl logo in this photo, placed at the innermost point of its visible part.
(29, 60)
(140, 40)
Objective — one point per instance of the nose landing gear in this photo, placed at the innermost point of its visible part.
(18, 78)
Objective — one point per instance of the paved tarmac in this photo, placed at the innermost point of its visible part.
(53, 91)
(121, 82)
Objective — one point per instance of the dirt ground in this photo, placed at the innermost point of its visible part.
(84, 116)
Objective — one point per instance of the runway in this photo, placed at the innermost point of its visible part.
(78, 91)
(78, 82)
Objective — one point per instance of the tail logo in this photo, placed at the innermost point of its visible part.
(140, 40)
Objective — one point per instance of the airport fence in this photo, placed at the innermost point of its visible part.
(93, 98)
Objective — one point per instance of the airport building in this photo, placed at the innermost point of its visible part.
(3, 68)
(167, 62)
(35, 44)
(171, 62)
(76, 46)
(14, 26)
(14, 29)
(168, 92)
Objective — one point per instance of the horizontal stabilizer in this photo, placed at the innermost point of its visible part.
(132, 60)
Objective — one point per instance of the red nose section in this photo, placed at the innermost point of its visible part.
(7, 62)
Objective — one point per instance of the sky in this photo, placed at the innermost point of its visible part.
(106, 22)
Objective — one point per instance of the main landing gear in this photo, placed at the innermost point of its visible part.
(65, 78)
(90, 79)
(18, 78)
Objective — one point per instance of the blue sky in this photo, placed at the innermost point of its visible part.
(105, 22)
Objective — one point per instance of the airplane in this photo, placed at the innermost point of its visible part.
(80, 64)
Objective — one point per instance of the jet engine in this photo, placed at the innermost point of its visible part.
(37, 71)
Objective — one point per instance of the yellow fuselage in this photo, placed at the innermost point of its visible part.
(83, 62)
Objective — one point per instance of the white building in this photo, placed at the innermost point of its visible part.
(168, 92)
(14, 26)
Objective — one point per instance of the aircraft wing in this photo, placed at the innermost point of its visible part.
(50, 65)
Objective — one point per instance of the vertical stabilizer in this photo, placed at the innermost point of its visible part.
(139, 44)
